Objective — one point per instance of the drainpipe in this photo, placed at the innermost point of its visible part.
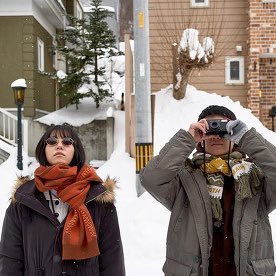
(143, 126)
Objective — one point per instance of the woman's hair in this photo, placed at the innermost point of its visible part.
(62, 131)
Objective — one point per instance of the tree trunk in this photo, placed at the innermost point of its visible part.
(180, 74)
(179, 88)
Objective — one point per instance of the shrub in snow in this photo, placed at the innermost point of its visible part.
(191, 55)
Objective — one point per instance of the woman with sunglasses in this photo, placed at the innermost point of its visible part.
(62, 222)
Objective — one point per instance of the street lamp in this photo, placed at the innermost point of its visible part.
(19, 87)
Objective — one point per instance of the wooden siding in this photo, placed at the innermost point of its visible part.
(11, 48)
(44, 89)
(69, 6)
(18, 53)
(225, 21)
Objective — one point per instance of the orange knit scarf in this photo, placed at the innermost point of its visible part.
(79, 240)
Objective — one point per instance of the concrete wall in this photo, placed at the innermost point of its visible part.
(97, 138)
(3, 156)
(93, 137)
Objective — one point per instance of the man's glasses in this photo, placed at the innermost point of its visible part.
(53, 141)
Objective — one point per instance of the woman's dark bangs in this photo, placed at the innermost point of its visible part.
(61, 131)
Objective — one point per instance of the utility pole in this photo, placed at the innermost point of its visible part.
(143, 126)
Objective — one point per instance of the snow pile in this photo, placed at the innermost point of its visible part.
(171, 114)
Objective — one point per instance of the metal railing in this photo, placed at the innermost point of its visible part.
(8, 129)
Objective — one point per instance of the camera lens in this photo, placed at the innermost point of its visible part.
(214, 125)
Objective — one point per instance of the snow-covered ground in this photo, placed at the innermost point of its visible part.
(143, 221)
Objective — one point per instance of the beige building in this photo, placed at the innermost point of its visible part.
(245, 43)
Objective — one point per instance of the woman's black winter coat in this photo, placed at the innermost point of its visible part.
(31, 236)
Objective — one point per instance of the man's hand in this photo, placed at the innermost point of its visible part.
(198, 130)
(236, 129)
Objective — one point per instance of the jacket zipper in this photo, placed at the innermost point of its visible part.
(95, 197)
(242, 212)
(201, 197)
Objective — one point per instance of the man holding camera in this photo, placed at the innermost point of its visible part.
(219, 201)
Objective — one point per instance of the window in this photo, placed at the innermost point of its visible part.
(40, 54)
(199, 3)
(234, 70)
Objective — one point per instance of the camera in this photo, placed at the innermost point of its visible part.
(217, 127)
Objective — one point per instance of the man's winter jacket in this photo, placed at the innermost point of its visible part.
(31, 236)
(182, 188)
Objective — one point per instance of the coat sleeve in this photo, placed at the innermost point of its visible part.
(11, 247)
(111, 259)
(263, 154)
(160, 176)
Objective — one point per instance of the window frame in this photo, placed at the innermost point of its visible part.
(40, 54)
(228, 60)
(193, 4)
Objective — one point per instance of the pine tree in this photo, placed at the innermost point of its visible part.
(83, 44)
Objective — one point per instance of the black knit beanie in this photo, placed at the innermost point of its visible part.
(217, 110)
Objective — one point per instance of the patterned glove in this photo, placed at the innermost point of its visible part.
(236, 129)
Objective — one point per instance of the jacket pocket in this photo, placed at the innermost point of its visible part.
(173, 268)
(264, 267)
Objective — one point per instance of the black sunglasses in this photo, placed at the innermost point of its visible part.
(53, 141)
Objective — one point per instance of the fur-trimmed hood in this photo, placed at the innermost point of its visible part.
(108, 196)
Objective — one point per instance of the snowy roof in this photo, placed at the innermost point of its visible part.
(85, 114)
(107, 8)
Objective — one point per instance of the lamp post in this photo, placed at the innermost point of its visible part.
(19, 87)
